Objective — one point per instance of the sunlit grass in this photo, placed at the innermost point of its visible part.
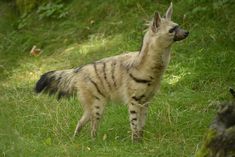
(95, 42)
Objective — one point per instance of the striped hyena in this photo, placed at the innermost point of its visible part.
(132, 78)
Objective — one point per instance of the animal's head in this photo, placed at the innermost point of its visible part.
(166, 31)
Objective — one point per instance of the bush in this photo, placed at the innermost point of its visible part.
(52, 10)
(26, 6)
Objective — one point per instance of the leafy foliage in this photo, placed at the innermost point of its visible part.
(47, 7)
(52, 10)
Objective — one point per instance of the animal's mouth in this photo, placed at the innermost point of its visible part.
(180, 34)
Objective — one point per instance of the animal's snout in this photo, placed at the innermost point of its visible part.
(180, 34)
(186, 34)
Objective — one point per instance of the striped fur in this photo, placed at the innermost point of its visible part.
(131, 78)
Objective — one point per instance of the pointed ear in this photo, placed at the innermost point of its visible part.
(156, 21)
(169, 11)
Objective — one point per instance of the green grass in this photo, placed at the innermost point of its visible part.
(201, 70)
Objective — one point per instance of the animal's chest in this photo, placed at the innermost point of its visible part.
(141, 92)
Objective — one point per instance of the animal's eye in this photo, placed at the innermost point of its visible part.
(173, 29)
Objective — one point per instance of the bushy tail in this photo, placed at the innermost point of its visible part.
(57, 82)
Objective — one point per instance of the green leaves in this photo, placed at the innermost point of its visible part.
(52, 10)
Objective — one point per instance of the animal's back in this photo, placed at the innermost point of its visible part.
(105, 79)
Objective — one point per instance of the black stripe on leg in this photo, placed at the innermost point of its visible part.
(134, 119)
(97, 113)
(138, 80)
(133, 112)
(97, 107)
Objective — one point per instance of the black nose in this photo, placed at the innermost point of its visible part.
(186, 34)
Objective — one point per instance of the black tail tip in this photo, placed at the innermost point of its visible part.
(43, 82)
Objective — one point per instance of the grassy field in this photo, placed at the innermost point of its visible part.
(201, 70)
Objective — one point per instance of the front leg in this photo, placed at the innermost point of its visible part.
(143, 116)
(137, 116)
(134, 117)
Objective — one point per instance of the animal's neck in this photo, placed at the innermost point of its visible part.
(153, 57)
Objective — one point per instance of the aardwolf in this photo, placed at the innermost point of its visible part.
(132, 78)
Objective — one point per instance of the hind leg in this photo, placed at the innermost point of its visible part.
(82, 122)
(86, 100)
(97, 112)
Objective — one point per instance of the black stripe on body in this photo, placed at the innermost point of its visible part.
(77, 70)
(105, 75)
(96, 86)
(96, 72)
(97, 97)
(158, 68)
(113, 65)
(138, 80)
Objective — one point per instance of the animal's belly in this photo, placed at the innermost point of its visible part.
(119, 96)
